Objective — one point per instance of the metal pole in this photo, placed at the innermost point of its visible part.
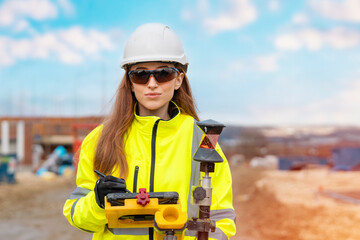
(204, 210)
(20, 140)
(5, 137)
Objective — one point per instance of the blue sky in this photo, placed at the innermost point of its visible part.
(261, 62)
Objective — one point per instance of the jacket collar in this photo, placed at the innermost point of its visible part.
(146, 123)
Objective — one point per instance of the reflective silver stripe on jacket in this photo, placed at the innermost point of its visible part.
(218, 234)
(193, 210)
(129, 231)
(217, 215)
(73, 209)
(77, 194)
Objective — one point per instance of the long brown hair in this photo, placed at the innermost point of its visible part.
(110, 151)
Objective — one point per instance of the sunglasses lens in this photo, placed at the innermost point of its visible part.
(165, 74)
(139, 76)
(161, 75)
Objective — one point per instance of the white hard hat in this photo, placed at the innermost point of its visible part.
(153, 42)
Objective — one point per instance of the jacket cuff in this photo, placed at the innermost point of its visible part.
(100, 212)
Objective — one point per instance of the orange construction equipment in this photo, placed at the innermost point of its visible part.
(79, 132)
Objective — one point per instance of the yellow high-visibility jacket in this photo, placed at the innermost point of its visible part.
(162, 151)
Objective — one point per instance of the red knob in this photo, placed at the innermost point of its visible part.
(142, 197)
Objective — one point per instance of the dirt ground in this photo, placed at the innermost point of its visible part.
(32, 209)
(276, 205)
(270, 205)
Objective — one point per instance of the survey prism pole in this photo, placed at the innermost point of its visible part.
(207, 156)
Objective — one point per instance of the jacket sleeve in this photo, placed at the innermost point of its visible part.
(81, 209)
(221, 209)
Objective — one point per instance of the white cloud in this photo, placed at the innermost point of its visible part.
(21, 26)
(239, 14)
(265, 63)
(14, 11)
(5, 58)
(79, 40)
(69, 46)
(341, 108)
(203, 6)
(313, 39)
(231, 15)
(288, 42)
(67, 6)
(347, 10)
(198, 11)
(274, 5)
(187, 15)
(343, 38)
(300, 18)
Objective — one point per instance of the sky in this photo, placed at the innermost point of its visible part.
(260, 62)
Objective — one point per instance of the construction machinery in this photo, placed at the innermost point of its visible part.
(162, 210)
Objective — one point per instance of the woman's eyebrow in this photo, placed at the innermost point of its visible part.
(145, 68)
(140, 68)
(165, 66)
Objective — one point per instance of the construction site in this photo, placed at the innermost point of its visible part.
(312, 202)
(186, 93)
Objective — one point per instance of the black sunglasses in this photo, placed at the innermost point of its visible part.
(161, 75)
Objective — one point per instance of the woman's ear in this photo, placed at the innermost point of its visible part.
(179, 80)
(132, 88)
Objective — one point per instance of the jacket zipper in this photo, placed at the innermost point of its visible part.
(153, 143)
(152, 170)
(136, 173)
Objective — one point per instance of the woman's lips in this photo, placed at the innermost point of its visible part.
(152, 95)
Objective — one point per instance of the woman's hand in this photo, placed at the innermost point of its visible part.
(106, 185)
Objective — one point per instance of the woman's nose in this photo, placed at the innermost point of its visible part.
(152, 81)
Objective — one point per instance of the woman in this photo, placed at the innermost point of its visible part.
(148, 141)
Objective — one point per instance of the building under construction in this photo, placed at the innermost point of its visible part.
(20, 134)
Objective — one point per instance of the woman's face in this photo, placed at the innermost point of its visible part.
(154, 97)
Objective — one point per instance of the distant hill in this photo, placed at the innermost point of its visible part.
(345, 133)
(231, 132)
